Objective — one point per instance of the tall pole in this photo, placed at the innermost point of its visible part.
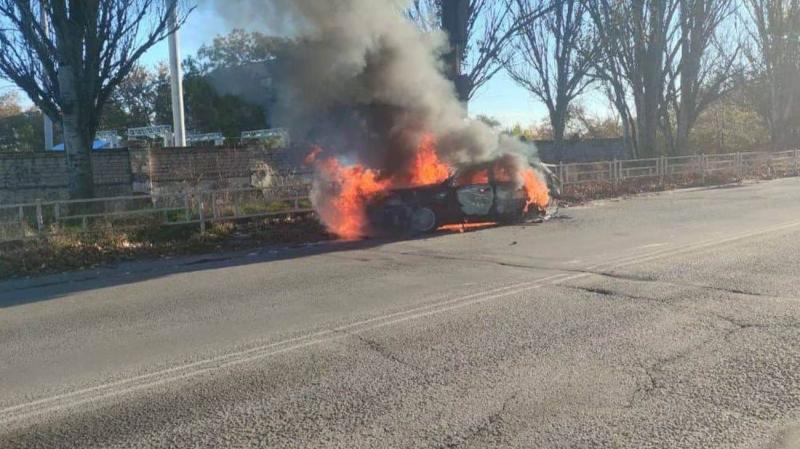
(176, 79)
(48, 124)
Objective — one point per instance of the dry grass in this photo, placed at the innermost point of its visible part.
(71, 251)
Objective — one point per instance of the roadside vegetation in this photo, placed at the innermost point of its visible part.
(82, 250)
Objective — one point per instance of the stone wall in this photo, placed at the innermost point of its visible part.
(26, 177)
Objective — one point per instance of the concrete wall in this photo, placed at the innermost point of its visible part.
(26, 177)
(589, 150)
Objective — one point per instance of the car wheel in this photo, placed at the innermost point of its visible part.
(423, 220)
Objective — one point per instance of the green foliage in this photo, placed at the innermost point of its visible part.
(131, 103)
(19, 130)
(207, 110)
(238, 48)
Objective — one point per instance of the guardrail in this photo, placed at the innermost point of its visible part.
(21, 221)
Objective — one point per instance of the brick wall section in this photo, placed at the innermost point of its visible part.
(112, 173)
(171, 169)
(179, 164)
(26, 177)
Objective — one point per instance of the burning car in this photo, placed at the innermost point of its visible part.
(425, 193)
(477, 194)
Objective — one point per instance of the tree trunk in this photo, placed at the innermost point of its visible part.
(558, 119)
(682, 128)
(78, 138)
(79, 162)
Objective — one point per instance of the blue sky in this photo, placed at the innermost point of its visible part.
(500, 98)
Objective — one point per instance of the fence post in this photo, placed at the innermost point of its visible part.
(797, 162)
(202, 207)
(187, 207)
(561, 172)
(214, 208)
(235, 204)
(22, 220)
(612, 171)
(740, 164)
(39, 217)
(703, 168)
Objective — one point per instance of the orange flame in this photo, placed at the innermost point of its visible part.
(344, 208)
(475, 177)
(536, 189)
(464, 227)
(345, 214)
(346, 189)
(427, 168)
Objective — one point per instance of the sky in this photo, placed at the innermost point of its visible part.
(500, 98)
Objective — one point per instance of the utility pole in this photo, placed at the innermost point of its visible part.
(176, 81)
(48, 124)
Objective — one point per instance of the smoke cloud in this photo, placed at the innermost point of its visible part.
(361, 80)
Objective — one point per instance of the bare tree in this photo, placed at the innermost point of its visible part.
(427, 14)
(634, 38)
(551, 58)
(775, 55)
(479, 33)
(71, 73)
(703, 68)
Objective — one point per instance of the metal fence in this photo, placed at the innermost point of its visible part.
(21, 221)
(740, 164)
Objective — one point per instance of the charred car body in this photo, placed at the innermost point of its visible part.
(470, 195)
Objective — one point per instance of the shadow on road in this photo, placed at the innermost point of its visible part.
(30, 290)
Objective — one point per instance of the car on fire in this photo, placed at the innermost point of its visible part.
(472, 195)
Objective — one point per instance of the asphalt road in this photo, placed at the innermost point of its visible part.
(670, 320)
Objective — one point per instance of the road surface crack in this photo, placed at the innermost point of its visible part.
(382, 351)
(489, 426)
(607, 292)
(740, 325)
